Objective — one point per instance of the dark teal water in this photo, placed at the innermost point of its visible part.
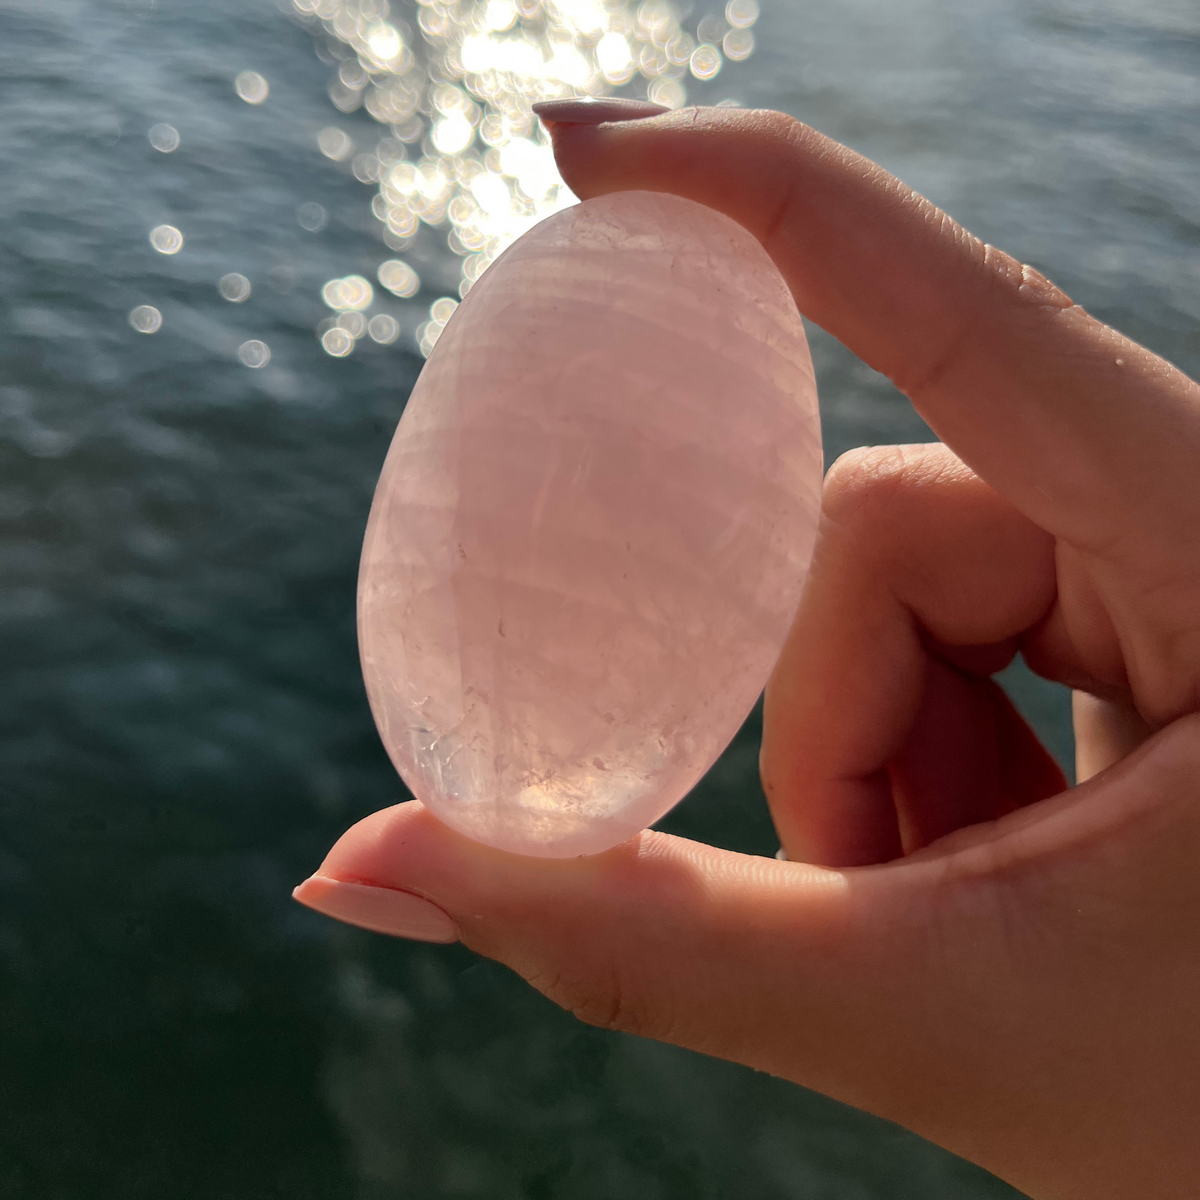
(184, 728)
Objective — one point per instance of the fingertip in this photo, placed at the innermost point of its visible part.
(379, 909)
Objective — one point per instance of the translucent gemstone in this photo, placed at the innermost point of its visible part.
(592, 527)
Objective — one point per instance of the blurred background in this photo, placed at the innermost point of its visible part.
(229, 230)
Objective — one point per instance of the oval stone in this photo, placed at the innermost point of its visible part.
(592, 527)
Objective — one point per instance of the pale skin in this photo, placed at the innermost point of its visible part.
(959, 942)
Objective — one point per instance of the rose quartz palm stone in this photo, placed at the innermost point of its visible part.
(592, 527)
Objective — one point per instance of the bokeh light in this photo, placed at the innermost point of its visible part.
(353, 293)
(166, 239)
(254, 353)
(399, 278)
(383, 328)
(146, 318)
(738, 44)
(312, 216)
(670, 93)
(337, 342)
(442, 310)
(335, 143)
(234, 287)
(459, 150)
(163, 137)
(705, 61)
(741, 14)
(252, 87)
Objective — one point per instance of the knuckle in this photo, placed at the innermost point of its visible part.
(862, 480)
(867, 484)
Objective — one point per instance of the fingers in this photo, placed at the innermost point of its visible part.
(881, 729)
(1087, 433)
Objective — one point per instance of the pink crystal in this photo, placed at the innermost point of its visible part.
(592, 527)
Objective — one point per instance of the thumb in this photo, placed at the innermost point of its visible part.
(660, 937)
(965, 992)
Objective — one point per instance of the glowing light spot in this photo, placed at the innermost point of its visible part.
(146, 318)
(402, 224)
(453, 134)
(738, 44)
(312, 216)
(741, 14)
(499, 15)
(583, 16)
(163, 137)
(614, 57)
(474, 266)
(335, 144)
(492, 193)
(427, 336)
(442, 310)
(403, 178)
(399, 278)
(254, 353)
(336, 342)
(670, 93)
(252, 87)
(234, 287)
(384, 43)
(353, 293)
(705, 61)
(532, 165)
(383, 329)
(166, 239)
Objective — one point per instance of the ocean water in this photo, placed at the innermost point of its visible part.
(184, 730)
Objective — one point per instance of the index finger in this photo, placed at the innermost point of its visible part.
(1086, 432)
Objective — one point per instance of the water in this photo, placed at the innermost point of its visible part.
(184, 725)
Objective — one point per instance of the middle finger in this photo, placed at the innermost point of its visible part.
(882, 729)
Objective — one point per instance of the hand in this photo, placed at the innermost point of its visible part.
(1003, 965)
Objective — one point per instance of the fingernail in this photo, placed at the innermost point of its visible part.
(384, 910)
(589, 111)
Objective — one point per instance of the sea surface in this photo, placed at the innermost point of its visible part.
(184, 730)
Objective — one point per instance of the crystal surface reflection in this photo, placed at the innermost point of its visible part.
(592, 527)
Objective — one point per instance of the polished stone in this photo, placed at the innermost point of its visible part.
(592, 527)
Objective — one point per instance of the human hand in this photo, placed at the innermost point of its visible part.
(1003, 965)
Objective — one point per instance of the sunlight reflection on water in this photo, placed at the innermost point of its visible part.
(454, 85)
